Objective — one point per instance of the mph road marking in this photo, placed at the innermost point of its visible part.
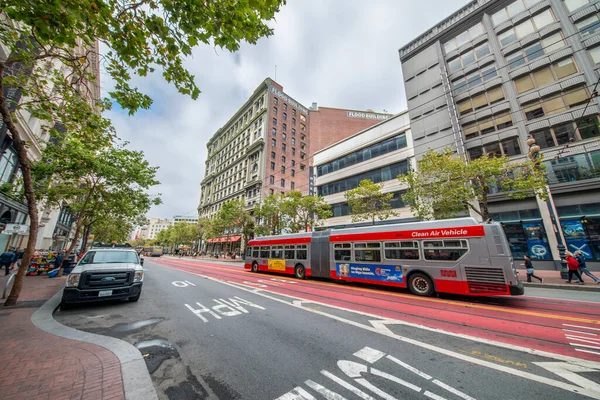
(378, 325)
(227, 308)
(357, 372)
(583, 336)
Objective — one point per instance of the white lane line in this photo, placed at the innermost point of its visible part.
(369, 355)
(582, 333)
(452, 390)
(433, 396)
(587, 351)
(348, 386)
(582, 327)
(585, 345)
(393, 378)
(296, 393)
(583, 339)
(323, 391)
(375, 389)
(450, 353)
(409, 367)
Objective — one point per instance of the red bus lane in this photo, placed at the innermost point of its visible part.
(541, 324)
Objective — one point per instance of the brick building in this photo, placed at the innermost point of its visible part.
(330, 125)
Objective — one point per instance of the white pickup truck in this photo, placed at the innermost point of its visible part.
(105, 274)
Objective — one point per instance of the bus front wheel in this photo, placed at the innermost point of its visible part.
(300, 272)
(254, 267)
(420, 284)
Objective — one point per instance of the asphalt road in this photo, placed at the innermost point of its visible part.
(213, 330)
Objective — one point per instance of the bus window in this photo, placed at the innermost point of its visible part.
(371, 252)
(301, 252)
(277, 252)
(447, 250)
(342, 251)
(401, 250)
(264, 252)
(249, 252)
(289, 252)
(255, 252)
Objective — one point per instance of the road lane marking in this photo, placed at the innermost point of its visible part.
(296, 393)
(519, 373)
(323, 391)
(202, 309)
(432, 300)
(369, 355)
(583, 339)
(347, 385)
(582, 327)
(587, 351)
(584, 333)
(409, 367)
(569, 373)
(228, 308)
(182, 283)
(433, 396)
(452, 390)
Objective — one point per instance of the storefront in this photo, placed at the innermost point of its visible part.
(224, 245)
(581, 227)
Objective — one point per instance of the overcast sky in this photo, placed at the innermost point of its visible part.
(338, 53)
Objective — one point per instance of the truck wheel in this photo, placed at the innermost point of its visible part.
(420, 284)
(135, 298)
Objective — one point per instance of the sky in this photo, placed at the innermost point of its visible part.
(337, 53)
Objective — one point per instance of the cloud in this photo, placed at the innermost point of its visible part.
(337, 53)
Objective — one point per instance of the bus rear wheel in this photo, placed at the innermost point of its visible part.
(420, 284)
(300, 272)
(254, 267)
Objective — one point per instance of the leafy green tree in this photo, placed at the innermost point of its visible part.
(109, 227)
(443, 185)
(367, 202)
(267, 215)
(303, 212)
(232, 219)
(139, 37)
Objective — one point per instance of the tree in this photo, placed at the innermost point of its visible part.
(267, 215)
(367, 202)
(303, 212)
(139, 36)
(232, 218)
(444, 186)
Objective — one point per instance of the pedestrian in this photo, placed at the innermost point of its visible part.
(529, 266)
(583, 267)
(573, 267)
(59, 260)
(7, 258)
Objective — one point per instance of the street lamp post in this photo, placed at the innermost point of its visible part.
(535, 156)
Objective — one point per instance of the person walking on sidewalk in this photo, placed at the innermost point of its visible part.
(583, 267)
(529, 266)
(573, 267)
(7, 258)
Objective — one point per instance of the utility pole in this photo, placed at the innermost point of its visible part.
(560, 265)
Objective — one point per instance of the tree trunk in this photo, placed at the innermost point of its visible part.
(485, 215)
(25, 166)
(80, 222)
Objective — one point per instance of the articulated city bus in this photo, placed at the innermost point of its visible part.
(459, 256)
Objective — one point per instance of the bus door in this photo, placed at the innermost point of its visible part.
(319, 254)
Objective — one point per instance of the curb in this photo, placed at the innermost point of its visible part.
(137, 383)
(574, 287)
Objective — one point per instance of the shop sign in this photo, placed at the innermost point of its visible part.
(18, 229)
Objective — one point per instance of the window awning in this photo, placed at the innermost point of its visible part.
(224, 239)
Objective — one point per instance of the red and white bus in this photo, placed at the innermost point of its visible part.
(459, 256)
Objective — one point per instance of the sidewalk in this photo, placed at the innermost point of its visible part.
(552, 280)
(39, 365)
(206, 258)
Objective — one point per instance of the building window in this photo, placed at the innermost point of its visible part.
(8, 165)
(274, 121)
(507, 147)
(283, 183)
(463, 38)
(556, 104)
(588, 26)
(547, 75)
(272, 166)
(526, 27)
(273, 155)
(275, 100)
(293, 172)
(293, 162)
(283, 169)
(565, 133)
(530, 53)
(283, 159)
(487, 125)
(273, 142)
(378, 175)
(271, 191)
(302, 167)
(468, 58)
(284, 115)
(275, 110)
(285, 106)
(512, 10)
(293, 151)
(294, 112)
(292, 185)
(483, 100)
(283, 147)
(483, 75)
(293, 121)
(293, 141)
(302, 118)
(274, 131)
(293, 131)
(595, 54)
(302, 127)
(271, 179)
(283, 136)
(302, 138)
(573, 5)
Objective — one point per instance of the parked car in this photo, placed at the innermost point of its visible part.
(105, 274)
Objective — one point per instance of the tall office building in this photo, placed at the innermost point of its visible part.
(263, 149)
(495, 73)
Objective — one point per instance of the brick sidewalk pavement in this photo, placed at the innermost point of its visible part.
(39, 365)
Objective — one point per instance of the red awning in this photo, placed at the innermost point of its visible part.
(224, 239)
